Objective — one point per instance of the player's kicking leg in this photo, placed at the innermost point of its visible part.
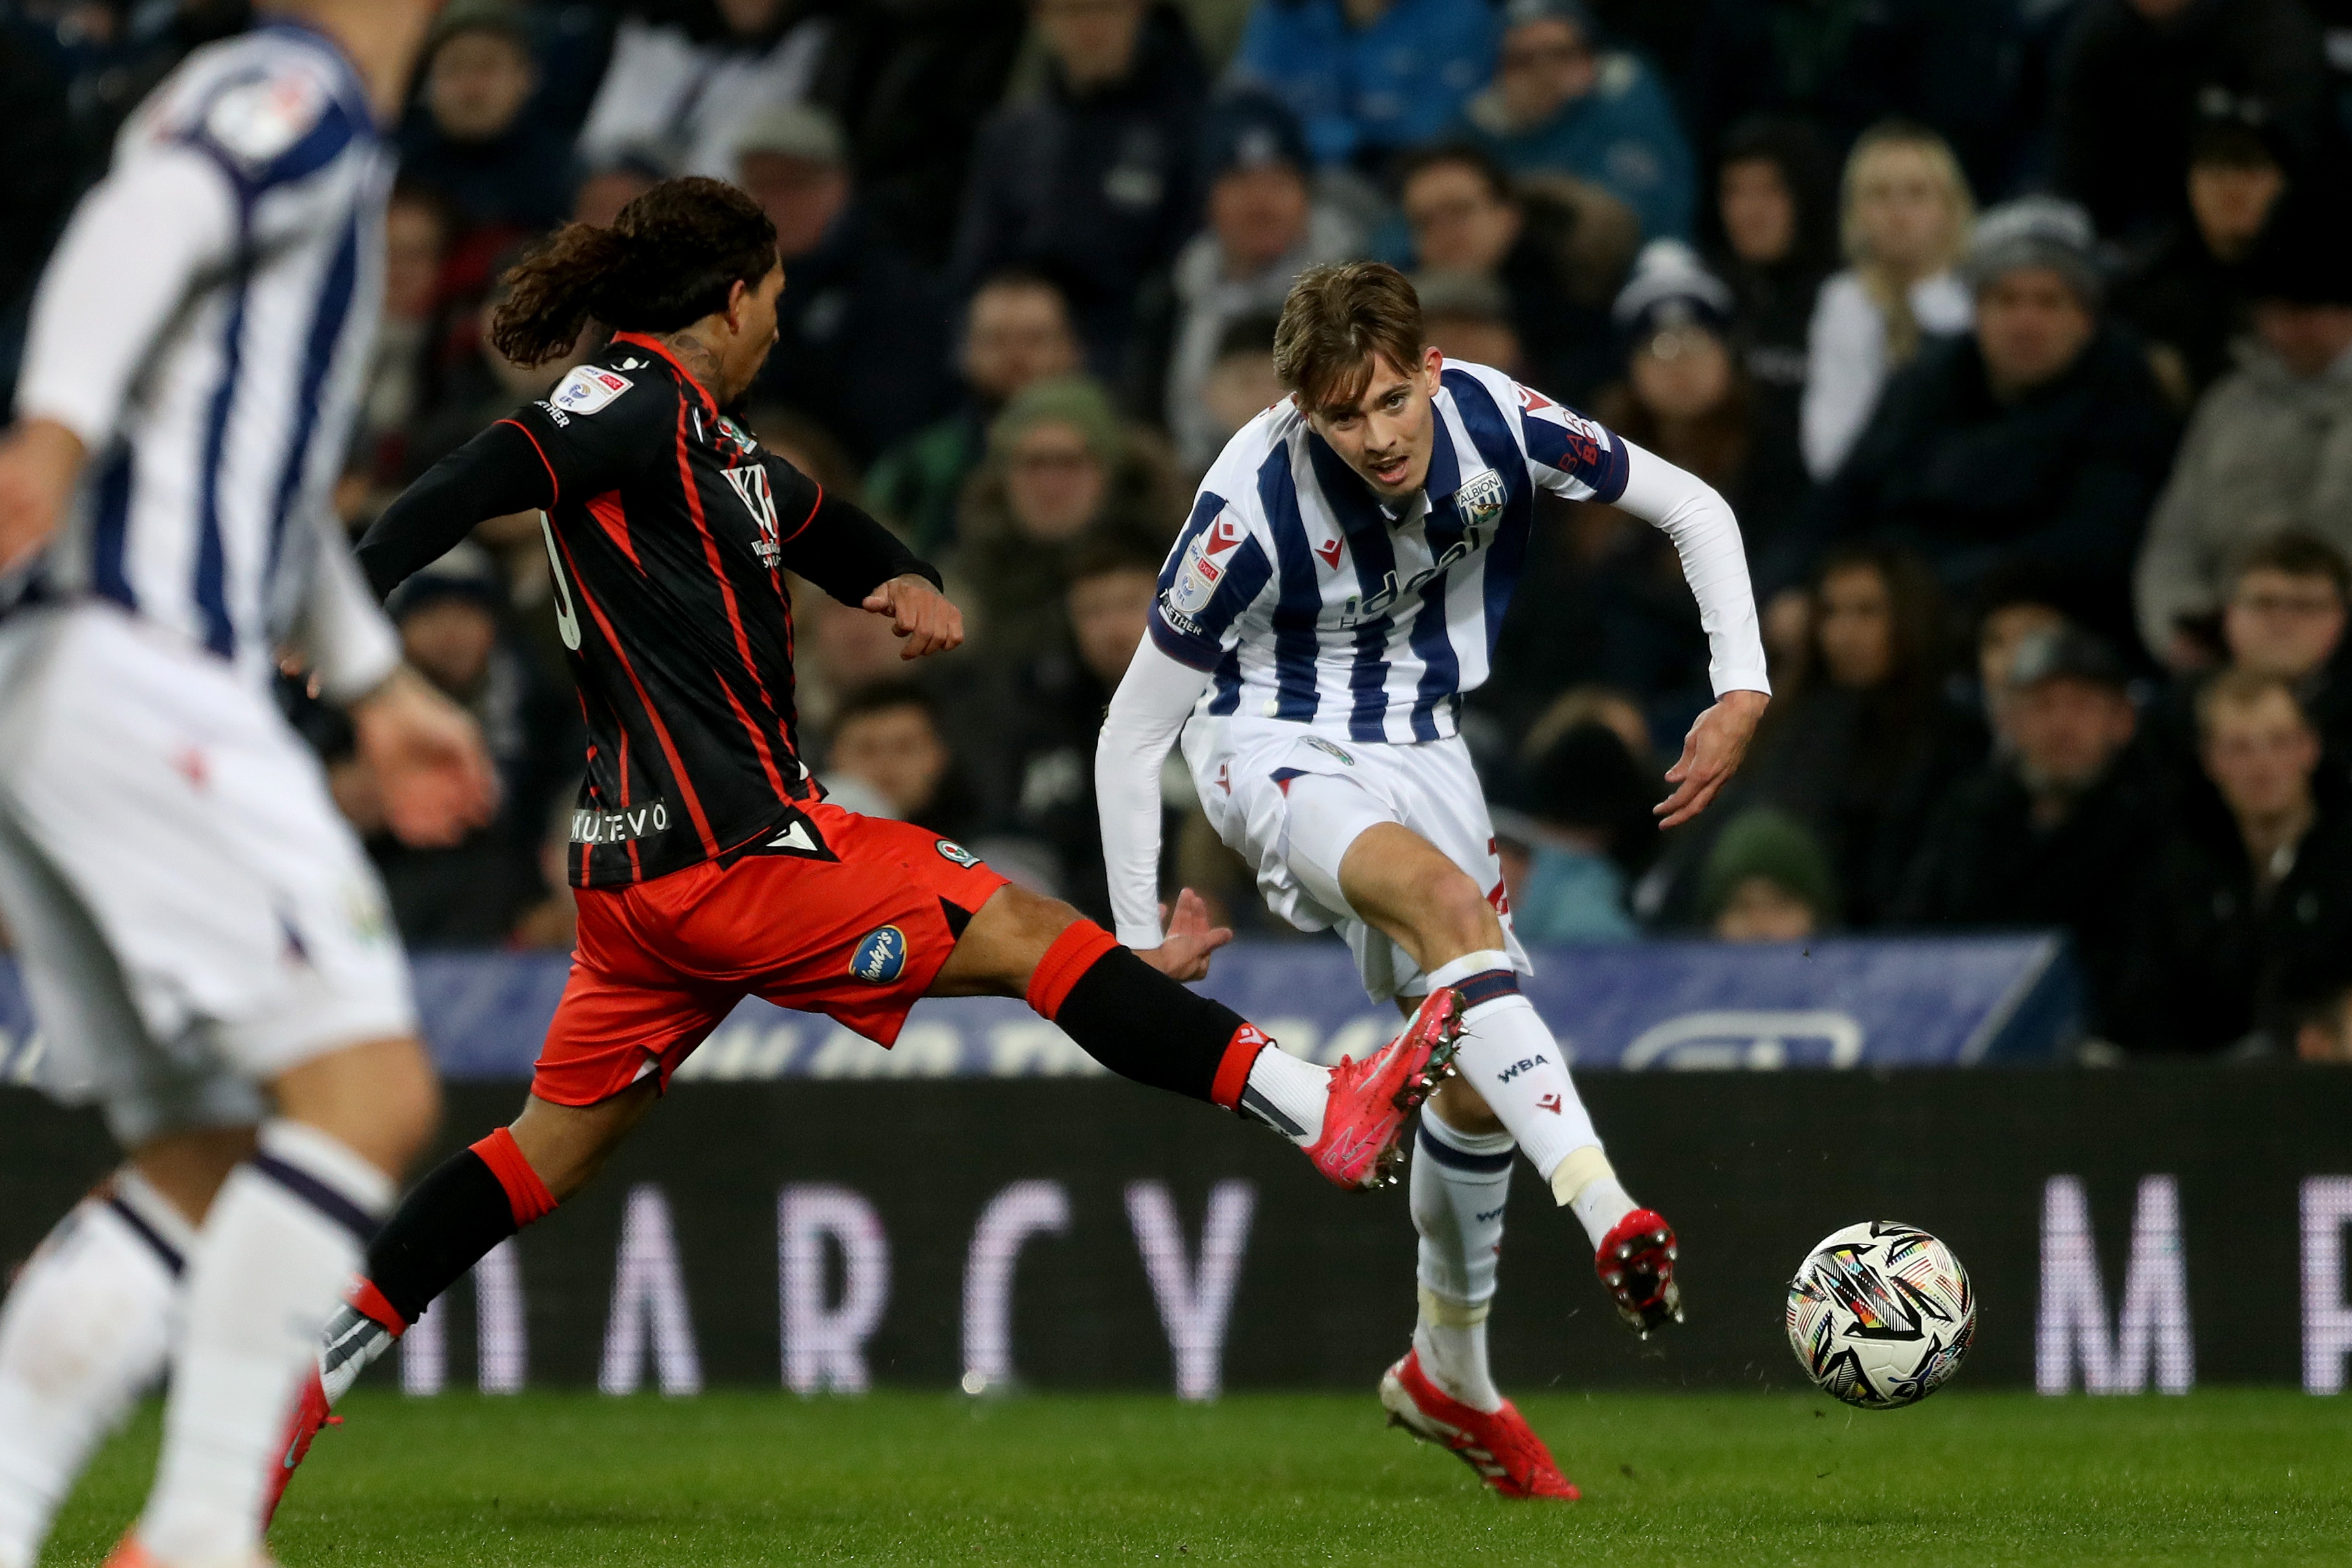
(1514, 1091)
(1133, 1017)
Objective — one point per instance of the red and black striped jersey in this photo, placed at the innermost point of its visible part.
(668, 529)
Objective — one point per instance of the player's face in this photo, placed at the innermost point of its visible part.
(752, 318)
(1388, 432)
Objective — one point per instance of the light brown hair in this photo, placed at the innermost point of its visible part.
(1890, 291)
(2241, 690)
(1337, 319)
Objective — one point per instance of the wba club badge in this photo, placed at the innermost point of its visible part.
(1481, 498)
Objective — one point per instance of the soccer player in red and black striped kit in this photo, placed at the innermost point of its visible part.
(707, 863)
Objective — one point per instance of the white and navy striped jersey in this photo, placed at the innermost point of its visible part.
(203, 328)
(1309, 600)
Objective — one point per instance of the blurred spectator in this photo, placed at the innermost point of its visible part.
(416, 232)
(1241, 384)
(2284, 618)
(2245, 894)
(1055, 710)
(1775, 202)
(887, 742)
(2013, 610)
(1687, 398)
(1265, 228)
(39, 168)
(1369, 77)
(2270, 447)
(1583, 797)
(2058, 830)
(475, 141)
(481, 388)
(2187, 293)
(1861, 740)
(453, 629)
(1466, 318)
(1906, 212)
(911, 84)
(1017, 331)
(1960, 69)
(1561, 104)
(1061, 467)
(2039, 438)
(613, 185)
(2128, 79)
(2315, 1014)
(685, 97)
(1095, 180)
(1766, 880)
(862, 335)
(1466, 220)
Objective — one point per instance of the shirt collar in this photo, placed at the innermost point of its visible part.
(655, 346)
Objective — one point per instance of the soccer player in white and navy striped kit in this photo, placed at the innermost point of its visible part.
(1336, 591)
(207, 947)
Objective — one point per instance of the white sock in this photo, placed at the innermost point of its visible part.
(352, 1342)
(1585, 1183)
(281, 1243)
(1511, 1059)
(1460, 1183)
(85, 1328)
(1287, 1093)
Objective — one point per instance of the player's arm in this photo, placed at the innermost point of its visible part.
(1146, 714)
(1715, 564)
(131, 254)
(838, 545)
(1574, 458)
(501, 471)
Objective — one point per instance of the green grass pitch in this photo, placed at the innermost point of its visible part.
(2227, 1476)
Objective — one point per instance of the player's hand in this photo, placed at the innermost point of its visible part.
(1184, 953)
(433, 774)
(39, 460)
(1711, 755)
(920, 613)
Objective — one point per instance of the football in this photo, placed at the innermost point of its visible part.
(1880, 1314)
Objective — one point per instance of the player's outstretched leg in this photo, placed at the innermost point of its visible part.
(1510, 1066)
(85, 1328)
(1145, 1026)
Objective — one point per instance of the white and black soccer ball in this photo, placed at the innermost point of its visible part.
(1881, 1314)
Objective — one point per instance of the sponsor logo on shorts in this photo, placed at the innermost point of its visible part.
(619, 826)
(1320, 744)
(880, 957)
(951, 849)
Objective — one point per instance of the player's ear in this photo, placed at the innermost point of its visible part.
(737, 292)
(1432, 364)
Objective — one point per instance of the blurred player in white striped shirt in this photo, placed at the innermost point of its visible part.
(206, 947)
(1336, 591)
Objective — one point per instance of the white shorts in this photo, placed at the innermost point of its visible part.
(1291, 801)
(193, 915)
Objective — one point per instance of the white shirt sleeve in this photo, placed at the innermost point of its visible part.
(133, 250)
(351, 643)
(1147, 713)
(1715, 564)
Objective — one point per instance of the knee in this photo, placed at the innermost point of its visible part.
(381, 1099)
(1461, 1108)
(1451, 903)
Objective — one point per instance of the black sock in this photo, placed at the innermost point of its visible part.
(442, 1229)
(1139, 1023)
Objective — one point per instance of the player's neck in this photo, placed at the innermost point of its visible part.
(699, 359)
(381, 37)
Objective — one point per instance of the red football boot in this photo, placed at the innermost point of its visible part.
(1363, 1119)
(1500, 1445)
(358, 1333)
(310, 1414)
(1636, 1263)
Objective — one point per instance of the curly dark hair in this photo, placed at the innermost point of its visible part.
(672, 256)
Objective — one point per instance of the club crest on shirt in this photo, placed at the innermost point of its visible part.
(880, 957)
(750, 486)
(951, 849)
(588, 388)
(1481, 498)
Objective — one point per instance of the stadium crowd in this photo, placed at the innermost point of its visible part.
(2018, 332)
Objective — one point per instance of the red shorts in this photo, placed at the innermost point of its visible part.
(856, 932)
